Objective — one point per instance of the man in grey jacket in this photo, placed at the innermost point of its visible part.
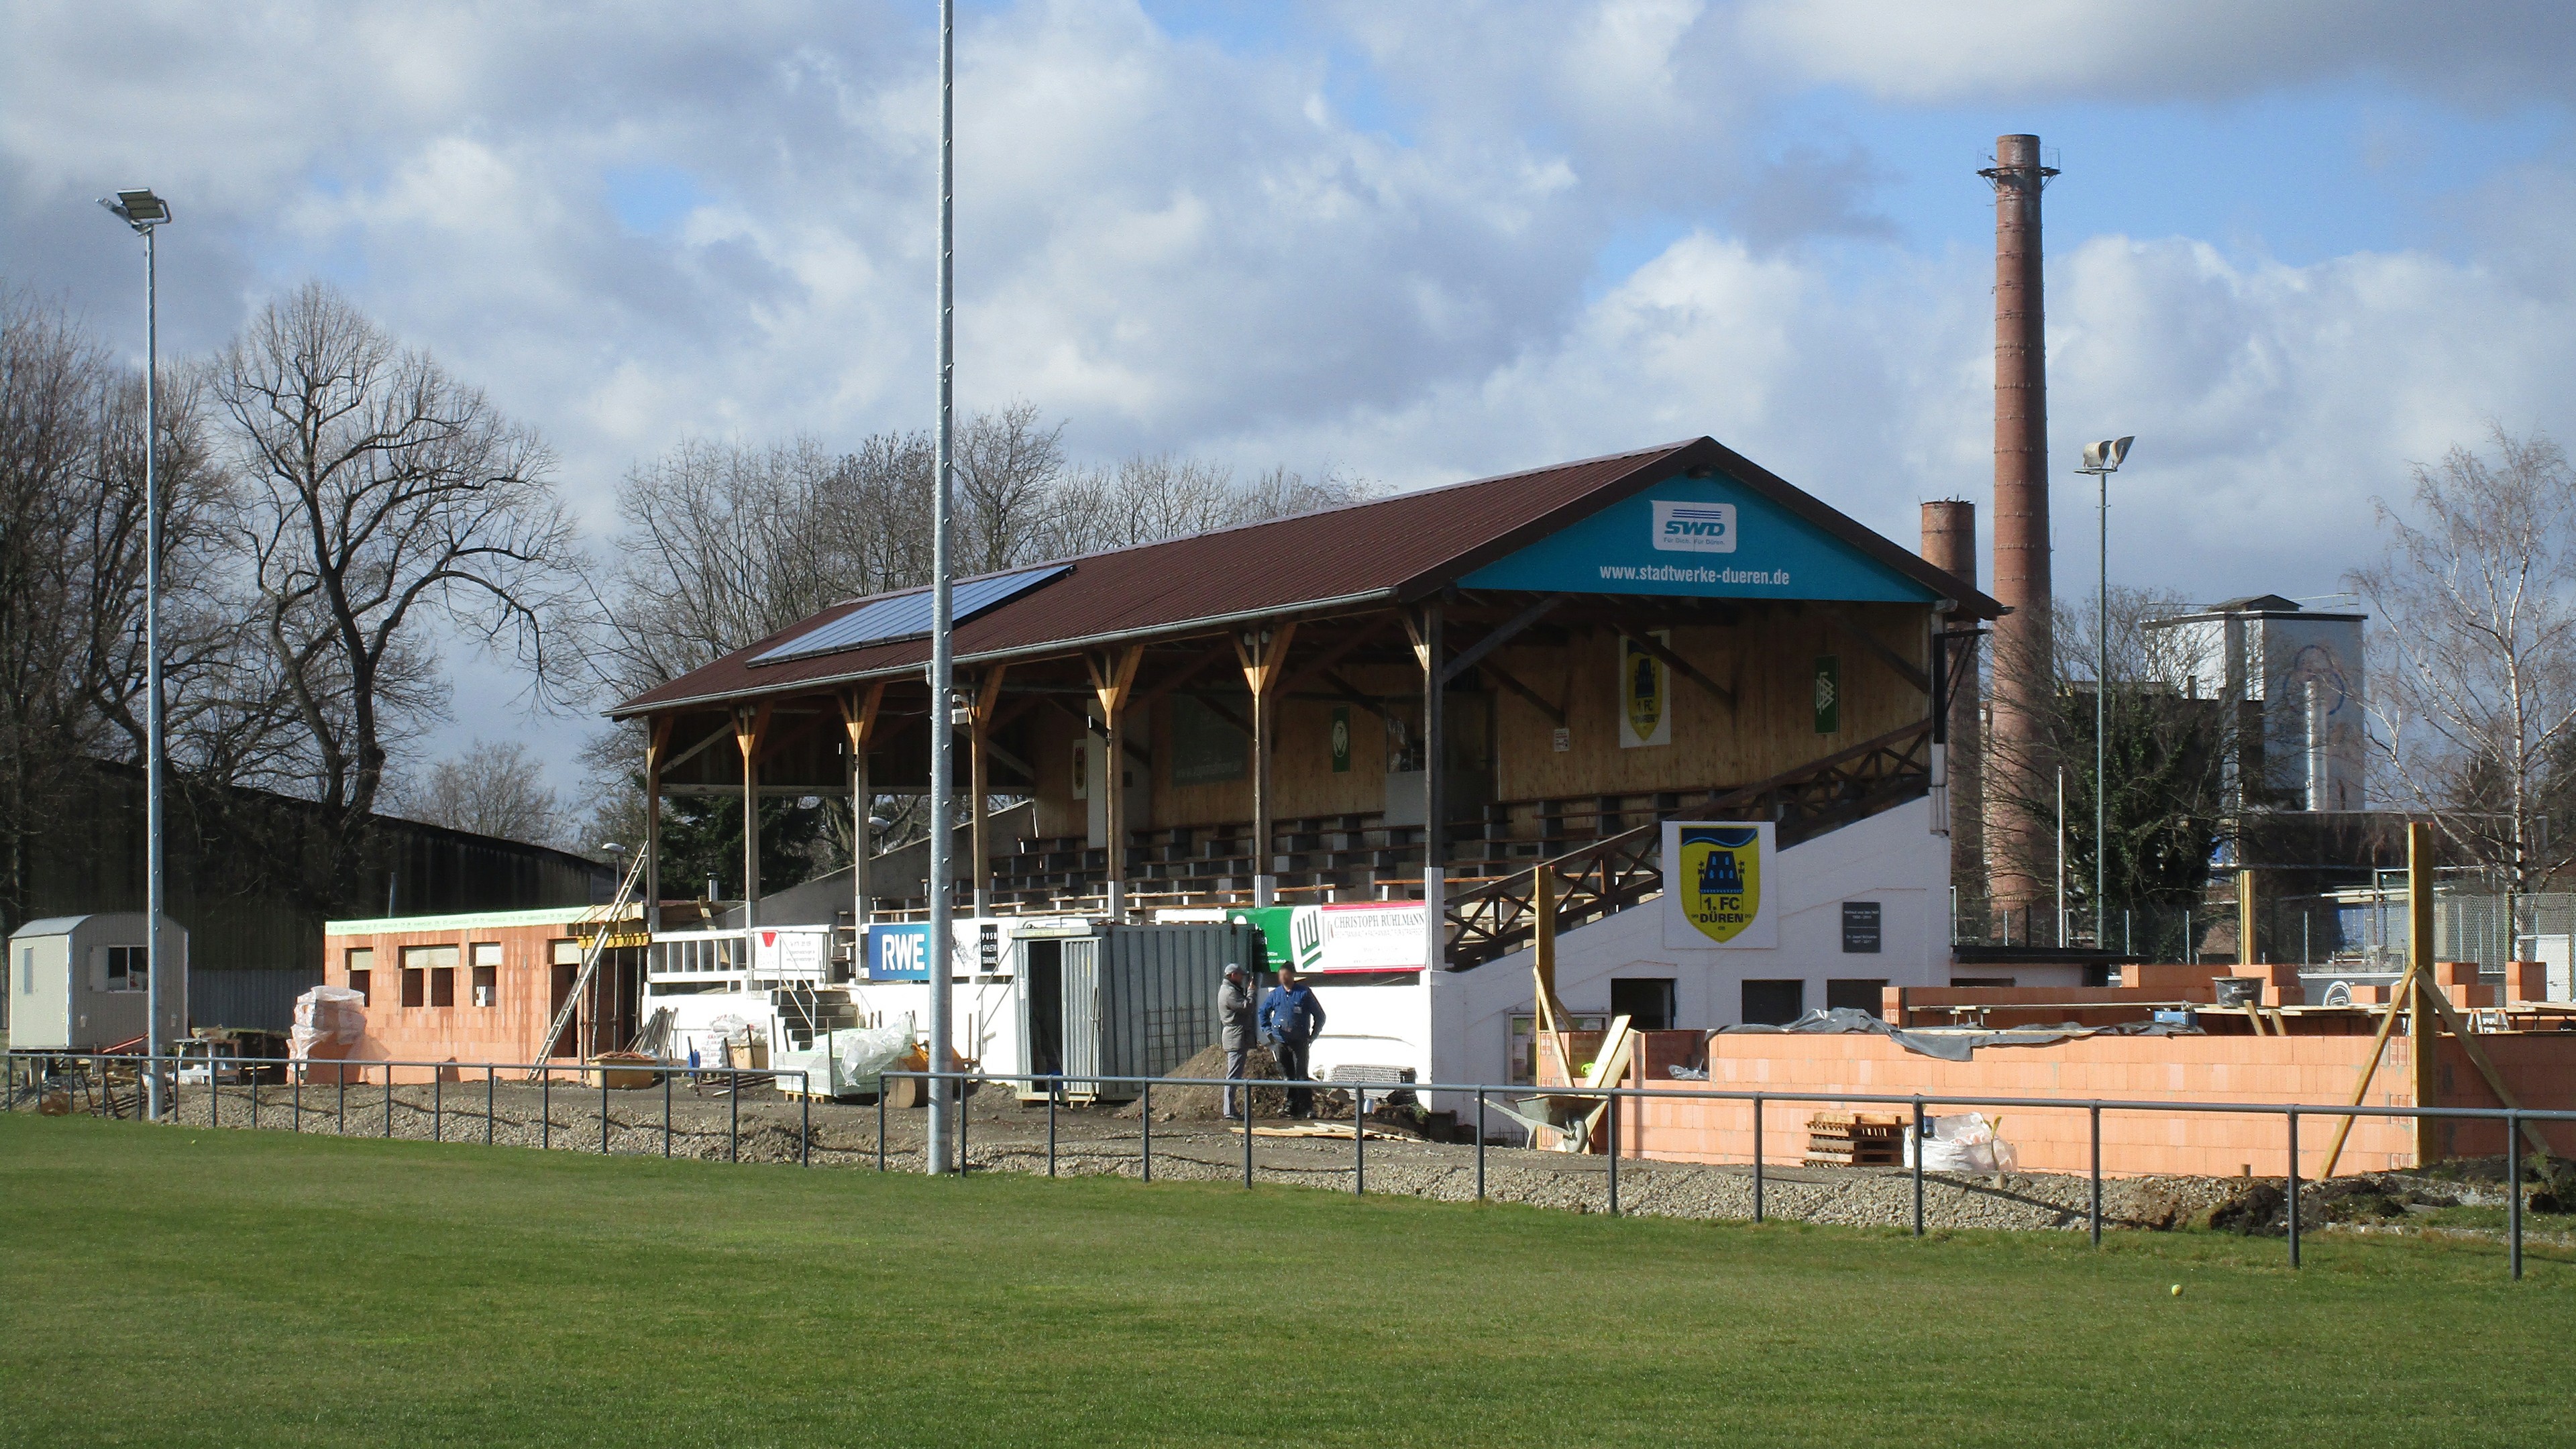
(1234, 1014)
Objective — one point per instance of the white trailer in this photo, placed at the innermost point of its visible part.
(78, 983)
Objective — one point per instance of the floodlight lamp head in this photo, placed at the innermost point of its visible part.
(138, 208)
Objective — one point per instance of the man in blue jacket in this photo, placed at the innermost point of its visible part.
(1291, 1019)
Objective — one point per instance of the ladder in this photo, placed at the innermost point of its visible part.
(589, 963)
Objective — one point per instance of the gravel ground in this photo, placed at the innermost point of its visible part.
(1006, 1136)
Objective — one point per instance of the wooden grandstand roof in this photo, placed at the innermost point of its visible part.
(1388, 551)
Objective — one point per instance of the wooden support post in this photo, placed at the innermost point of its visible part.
(2426, 1078)
(2246, 955)
(1550, 1012)
(2478, 1058)
(859, 715)
(2397, 1001)
(749, 724)
(1261, 652)
(1435, 793)
(1112, 677)
(988, 696)
(657, 746)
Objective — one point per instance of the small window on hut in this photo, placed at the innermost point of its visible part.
(362, 981)
(128, 969)
(487, 973)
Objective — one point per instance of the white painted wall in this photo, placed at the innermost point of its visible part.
(1456, 1026)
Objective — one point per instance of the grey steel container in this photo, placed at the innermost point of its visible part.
(1138, 1001)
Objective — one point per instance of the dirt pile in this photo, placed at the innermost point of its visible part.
(1207, 1104)
(2262, 1209)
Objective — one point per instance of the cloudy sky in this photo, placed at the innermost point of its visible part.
(2296, 245)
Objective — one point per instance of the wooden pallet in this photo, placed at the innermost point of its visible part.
(1855, 1139)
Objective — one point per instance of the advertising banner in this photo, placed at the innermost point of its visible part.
(1357, 936)
(1374, 936)
(1714, 895)
(1711, 537)
(899, 953)
(788, 953)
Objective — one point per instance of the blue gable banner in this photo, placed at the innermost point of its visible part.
(1704, 536)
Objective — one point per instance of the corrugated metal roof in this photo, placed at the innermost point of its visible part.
(1387, 550)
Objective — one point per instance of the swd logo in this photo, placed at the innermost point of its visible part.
(1695, 527)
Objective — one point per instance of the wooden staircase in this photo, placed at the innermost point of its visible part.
(1495, 919)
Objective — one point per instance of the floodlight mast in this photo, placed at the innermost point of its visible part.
(140, 209)
(2102, 459)
(943, 661)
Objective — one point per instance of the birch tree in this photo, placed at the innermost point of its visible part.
(2473, 706)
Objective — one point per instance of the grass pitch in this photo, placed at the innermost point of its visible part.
(175, 1287)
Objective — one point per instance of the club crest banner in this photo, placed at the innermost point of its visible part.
(1714, 892)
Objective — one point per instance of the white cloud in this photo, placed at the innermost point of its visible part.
(2500, 54)
(1373, 245)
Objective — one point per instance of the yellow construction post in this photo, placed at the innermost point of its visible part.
(2422, 1072)
(2245, 952)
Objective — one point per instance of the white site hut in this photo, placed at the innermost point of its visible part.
(79, 983)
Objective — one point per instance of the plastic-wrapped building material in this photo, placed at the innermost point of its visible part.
(844, 1063)
(1965, 1142)
(330, 1021)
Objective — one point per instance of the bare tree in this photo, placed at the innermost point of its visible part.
(1008, 466)
(723, 544)
(2475, 656)
(379, 498)
(72, 525)
(494, 788)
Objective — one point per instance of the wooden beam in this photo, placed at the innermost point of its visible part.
(1182, 675)
(1537, 701)
(721, 731)
(1317, 666)
(804, 725)
(1842, 624)
(1344, 689)
(657, 744)
(1113, 677)
(2478, 1058)
(1499, 636)
(1648, 644)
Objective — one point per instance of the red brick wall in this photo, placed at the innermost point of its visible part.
(509, 1031)
(2305, 1069)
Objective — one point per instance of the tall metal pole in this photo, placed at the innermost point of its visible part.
(942, 656)
(155, 902)
(2101, 710)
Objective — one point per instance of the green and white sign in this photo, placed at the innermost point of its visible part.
(1829, 694)
(1353, 936)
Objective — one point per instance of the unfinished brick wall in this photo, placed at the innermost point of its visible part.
(508, 1031)
(2302, 1069)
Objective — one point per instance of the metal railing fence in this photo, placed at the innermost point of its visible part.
(90, 1073)
(45, 1066)
(1053, 1084)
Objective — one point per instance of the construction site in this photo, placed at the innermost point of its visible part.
(1650, 773)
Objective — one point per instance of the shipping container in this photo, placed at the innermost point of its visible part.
(1130, 1001)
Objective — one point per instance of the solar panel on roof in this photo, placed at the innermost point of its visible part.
(907, 615)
